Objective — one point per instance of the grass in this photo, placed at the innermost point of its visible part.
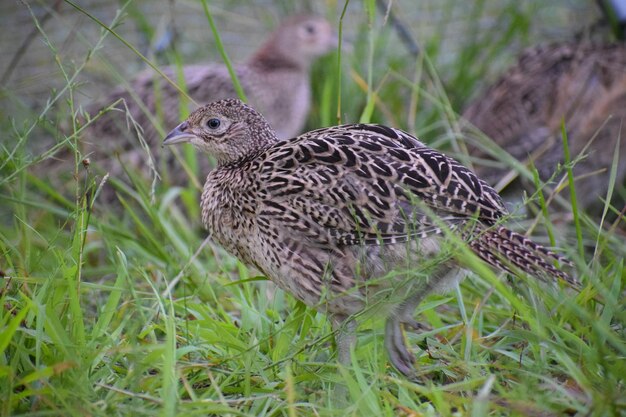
(128, 310)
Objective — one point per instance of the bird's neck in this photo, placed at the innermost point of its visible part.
(269, 59)
(247, 149)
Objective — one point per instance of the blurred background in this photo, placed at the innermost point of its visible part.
(468, 42)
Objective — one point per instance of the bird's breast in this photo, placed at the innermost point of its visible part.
(229, 216)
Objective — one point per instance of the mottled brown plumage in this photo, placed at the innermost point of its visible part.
(583, 84)
(350, 217)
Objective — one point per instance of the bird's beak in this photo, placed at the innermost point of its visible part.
(180, 134)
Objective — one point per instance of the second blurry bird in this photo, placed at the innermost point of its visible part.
(275, 79)
(580, 83)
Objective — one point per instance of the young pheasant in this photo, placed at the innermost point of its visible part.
(345, 218)
(275, 80)
(580, 83)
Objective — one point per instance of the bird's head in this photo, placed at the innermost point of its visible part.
(227, 129)
(297, 42)
(309, 36)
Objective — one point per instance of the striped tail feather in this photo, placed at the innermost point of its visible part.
(503, 248)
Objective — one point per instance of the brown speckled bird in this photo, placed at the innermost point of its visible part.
(345, 218)
(275, 80)
(583, 84)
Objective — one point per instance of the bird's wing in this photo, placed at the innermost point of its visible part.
(206, 83)
(515, 111)
(523, 111)
(150, 96)
(367, 184)
(202, 82)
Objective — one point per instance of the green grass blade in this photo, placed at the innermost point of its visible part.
(222, 50)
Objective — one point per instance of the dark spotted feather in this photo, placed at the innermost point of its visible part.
(380, 186)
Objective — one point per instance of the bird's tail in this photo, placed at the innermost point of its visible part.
(504, 249)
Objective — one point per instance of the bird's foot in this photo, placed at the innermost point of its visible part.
(415, 326)
(399, 355)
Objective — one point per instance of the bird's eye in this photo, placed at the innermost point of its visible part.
(213, 123)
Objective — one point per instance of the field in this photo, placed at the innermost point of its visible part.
(122, 306)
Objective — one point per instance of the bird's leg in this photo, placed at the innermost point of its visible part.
(405, 311)
(443, 280)
(398, 353)
(395, 344)
(345, 337)
(402, 316)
